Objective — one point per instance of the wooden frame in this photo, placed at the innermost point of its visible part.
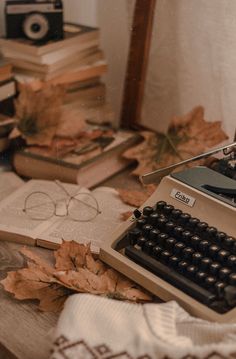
(137, 62)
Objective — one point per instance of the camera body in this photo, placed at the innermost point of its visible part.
(37, 20)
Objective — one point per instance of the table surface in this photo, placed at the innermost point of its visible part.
(24, 330)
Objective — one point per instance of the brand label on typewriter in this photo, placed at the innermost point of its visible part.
(182, 197)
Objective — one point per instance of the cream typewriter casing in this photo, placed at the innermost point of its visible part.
(203, 206)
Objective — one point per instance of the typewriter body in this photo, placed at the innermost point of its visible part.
(181, 245)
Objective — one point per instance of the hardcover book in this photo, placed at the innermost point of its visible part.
(87, 169)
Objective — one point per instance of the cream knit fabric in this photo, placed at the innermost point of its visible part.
(93, 327)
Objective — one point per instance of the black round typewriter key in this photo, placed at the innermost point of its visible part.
(187, 253)
(178, 231)
(170, 242)
(167, 209)
(182, 266)
(161, 223)
(191, 270)
(141, 241)
(224, 274)
(183, 218)
(229, 243)
(137, 213)
(205, 263)
(148, 246)
(165, 255)
(141, 222)
(232, 279)
(170, 227)
(210, 232)
(147, 210)
(214, 268)
(213, 251)
(203, 246)
(133, 235)
(162, 238)
(196, 258)
(192, 223)
(160, 205)
(174, 260)
(200, 277)
(153, 218)
(232, 261)
(210, 282)
(220, 237)
(156, 251)
(219, 289)
(223, 255)
(195, 241)
(175, 214)
(153, 234)
(178, 247)
(186, 236)
(146, 229)
(201, 227)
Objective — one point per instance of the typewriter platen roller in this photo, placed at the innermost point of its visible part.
(183, 246)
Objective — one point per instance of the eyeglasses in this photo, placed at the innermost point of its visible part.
(81, 207)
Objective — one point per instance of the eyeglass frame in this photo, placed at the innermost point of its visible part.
(67, 203)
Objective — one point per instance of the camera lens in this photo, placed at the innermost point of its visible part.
(35, 27)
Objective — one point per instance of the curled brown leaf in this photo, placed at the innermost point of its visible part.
(187, 136)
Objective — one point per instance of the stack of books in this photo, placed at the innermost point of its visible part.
(76, 62)
(7, 88)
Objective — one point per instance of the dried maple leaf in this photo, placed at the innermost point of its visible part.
(34, 283)
(38, 114)
(76, 270)
(71, 124)
(71, 256)
(136, 198)
(187, 136)
(126, 215)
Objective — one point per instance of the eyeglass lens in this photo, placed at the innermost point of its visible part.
(39, 206)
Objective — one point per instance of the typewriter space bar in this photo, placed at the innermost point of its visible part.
(170, 276)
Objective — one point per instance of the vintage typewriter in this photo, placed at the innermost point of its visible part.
(181, 245)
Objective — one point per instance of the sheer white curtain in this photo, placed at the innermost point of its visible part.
(192, 62)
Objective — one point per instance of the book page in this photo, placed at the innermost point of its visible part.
(93, 231)
(9, 182)
(14, 220)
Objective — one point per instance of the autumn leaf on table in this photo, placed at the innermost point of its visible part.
(75, 271)
(187, 136)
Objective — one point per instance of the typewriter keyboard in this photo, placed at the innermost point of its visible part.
(186, 252)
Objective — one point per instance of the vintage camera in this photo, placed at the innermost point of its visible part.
(37, 20)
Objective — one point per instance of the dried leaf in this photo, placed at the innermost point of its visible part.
(71, 124)
(76, 270)
(126, 215)
(187, 136)
(38, 113)
(71, 256)
(136, 198)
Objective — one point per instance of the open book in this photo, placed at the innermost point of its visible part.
(18, 226)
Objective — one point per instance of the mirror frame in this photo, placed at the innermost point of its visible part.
(137, 62)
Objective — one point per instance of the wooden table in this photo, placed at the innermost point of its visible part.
(24, 330)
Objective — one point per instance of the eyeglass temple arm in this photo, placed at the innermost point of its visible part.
(155, 176)
(59, 184)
